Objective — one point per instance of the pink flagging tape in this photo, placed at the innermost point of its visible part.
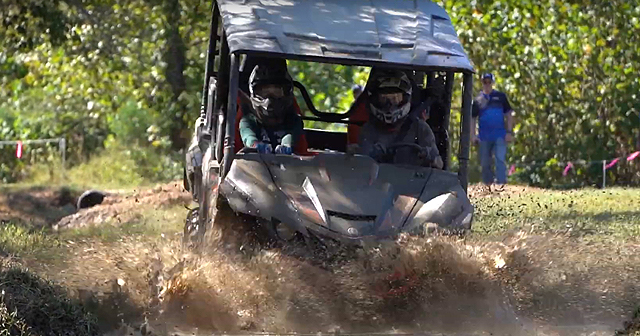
(512, 169)
(19, 149)
(612, 163)
(567, 168)
(633, 156)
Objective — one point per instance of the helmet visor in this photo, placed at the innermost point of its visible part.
(390, 98)
(269, 91)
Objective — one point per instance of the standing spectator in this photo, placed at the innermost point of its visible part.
(490, 109)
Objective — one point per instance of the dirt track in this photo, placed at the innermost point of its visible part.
(55, 208)
(523, 285)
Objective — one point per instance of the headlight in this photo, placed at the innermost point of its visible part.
(446, 210)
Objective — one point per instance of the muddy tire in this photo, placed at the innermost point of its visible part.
(193, 229)
(226, 229)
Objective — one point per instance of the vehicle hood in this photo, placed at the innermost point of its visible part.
(352, 194)
(336, 194)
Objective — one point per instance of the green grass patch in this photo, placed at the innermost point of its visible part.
(115, 167)
(48, 246)
(16, 240)
(149, 223)
(614, 212)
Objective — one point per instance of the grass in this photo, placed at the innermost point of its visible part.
(149, 223)
(116, 167)
(30, 305)
(44, 246)
(611, 213)
(16, 240)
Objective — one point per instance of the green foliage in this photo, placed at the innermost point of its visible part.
(87, 70)
(26, 24)
(120, 166)
(566, 69)
(329, 86)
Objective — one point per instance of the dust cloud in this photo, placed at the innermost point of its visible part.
(522, 285)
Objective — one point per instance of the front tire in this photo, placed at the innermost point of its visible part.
(192, 227)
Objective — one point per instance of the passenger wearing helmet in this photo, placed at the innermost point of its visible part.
(389, 97)
(272, 126)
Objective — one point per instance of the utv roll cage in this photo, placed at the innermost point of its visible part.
(415, 36)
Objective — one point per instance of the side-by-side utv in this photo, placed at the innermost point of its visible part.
(327, 196)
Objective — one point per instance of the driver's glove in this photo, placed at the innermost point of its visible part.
(437, 162)
(263, 148)
(283, 149)
(378, 151)
(430, 158)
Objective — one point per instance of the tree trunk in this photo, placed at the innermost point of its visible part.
(175, 57)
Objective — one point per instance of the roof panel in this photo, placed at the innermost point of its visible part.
(409, 33)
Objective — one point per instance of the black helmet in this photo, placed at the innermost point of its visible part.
(390, 96)
(271, 91)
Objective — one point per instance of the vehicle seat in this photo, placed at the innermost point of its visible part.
(357, 118)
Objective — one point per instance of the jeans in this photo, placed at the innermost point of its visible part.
(488, 150)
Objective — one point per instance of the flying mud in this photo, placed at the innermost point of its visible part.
(517, 284)
(525, 285)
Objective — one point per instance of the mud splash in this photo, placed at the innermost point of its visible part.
(519, 284)
(524, 285)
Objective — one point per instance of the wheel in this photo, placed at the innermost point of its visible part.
(191, 236)
(223, 228)
(194, 226)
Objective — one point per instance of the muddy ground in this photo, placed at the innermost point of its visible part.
(55, 208)
(524, 284)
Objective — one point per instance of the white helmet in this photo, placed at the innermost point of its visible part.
(390, 96)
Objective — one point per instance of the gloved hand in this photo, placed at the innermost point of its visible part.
(430, 159)
(263, 148)
(283, 149)
(437, 162)
(378, 152)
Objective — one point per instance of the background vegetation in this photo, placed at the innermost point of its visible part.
(114, 74)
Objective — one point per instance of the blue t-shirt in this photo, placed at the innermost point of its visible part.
(490, 110)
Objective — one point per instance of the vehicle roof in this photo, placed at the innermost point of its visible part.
(404, 33)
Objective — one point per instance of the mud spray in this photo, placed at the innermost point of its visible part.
(521, 285)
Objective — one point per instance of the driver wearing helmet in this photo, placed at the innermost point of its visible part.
(271, 126)
(391, 135)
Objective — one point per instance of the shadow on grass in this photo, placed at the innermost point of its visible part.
(36, 306)
(631, 327)
(32, 305)
(36, 206)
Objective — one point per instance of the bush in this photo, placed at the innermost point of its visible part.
(123, 166)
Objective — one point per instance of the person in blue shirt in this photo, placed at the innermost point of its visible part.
(494, 116)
